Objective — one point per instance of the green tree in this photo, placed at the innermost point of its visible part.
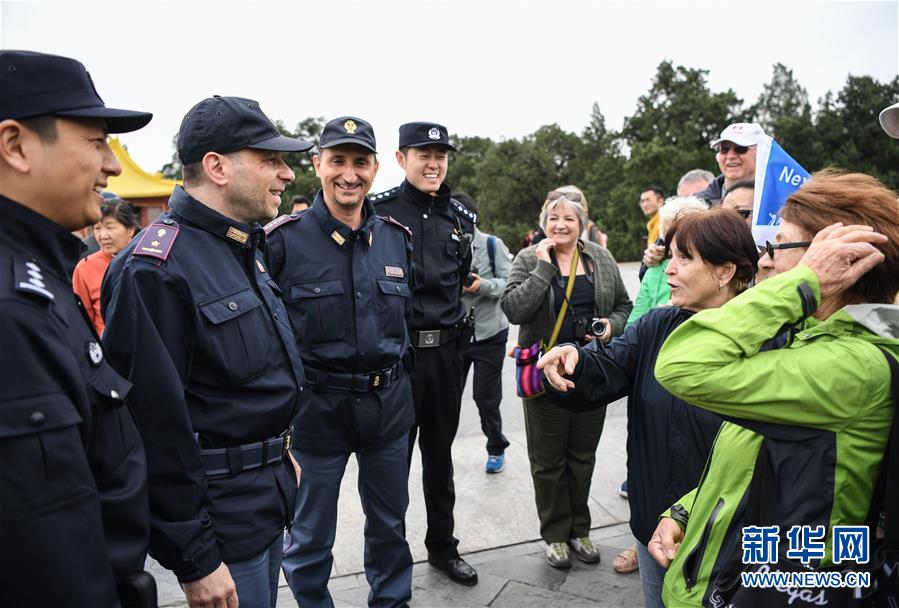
(306, 182)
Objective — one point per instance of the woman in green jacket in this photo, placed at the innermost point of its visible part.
(831, 384)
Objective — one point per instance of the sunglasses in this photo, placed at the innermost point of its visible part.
(726, 147)
(770, 247)
(574, 197)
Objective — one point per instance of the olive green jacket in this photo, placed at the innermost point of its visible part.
(528, 298)
(832, 379)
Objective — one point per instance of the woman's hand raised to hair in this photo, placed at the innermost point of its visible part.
(559, 361)
(840, 255)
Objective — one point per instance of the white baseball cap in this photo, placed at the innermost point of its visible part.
(741, 133)
(889, 120)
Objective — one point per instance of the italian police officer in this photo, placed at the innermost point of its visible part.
(74, 519)
(442, 230)
(344, 273)
(195, 320)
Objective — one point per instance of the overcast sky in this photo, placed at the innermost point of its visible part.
(497, 69)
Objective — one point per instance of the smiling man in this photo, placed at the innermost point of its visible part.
(345, 274)
(735, 152)
(194, 320)
(442, 231)
(74, 492)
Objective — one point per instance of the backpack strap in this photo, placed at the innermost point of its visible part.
(491, 252)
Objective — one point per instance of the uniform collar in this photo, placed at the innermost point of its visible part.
(336, 230)
(423, 198)
(53, 247)
(244, 236)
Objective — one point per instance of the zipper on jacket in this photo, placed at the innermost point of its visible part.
(694, 560)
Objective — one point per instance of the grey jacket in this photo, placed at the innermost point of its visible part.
(528, 299)
(489, 319)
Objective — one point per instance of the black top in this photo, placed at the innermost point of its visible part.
(73, 487)
(442, 230)
(348, 298)
(194, 318)
(580, 307)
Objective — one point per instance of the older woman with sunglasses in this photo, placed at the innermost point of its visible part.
(562, 444)
(807, 424)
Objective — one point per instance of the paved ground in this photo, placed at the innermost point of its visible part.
(496, 523)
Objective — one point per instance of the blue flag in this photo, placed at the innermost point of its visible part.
(776, 176)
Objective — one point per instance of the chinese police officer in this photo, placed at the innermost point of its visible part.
(195, 320)
(344, 273)
(73, 514)
(442, 230)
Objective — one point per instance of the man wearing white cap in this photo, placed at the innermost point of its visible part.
(736, 158)
(889, 120)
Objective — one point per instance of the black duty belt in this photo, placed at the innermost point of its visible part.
(228, 462)
(356, 383)
(432, 338)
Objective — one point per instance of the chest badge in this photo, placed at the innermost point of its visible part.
(337, 238)
(394, 272)
(94, 352)
(237, 235)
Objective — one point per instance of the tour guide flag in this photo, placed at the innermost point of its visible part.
(776, 176)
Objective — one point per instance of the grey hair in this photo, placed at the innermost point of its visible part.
(580, 209)
(695, 175)
(677, 206)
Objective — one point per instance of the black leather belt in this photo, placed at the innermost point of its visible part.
(432, 338)
(228, 462)
(356, 383)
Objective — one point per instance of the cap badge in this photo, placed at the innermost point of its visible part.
(350, 127)
(160, 232)
(94, 353)
(434, 133)
(237, 235)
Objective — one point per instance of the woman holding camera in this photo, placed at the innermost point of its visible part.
(713, 258)
(562, 444)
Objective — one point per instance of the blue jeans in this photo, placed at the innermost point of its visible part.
(652, 576)
(384, 491)
(257, 578)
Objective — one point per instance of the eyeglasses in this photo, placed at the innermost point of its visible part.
(574, 197)
(726, 147)
(771, 247)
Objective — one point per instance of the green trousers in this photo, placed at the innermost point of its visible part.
(562, 452)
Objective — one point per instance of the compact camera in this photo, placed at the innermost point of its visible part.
(589, 327)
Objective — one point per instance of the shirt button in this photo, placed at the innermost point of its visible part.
(398, 288)
(232, 305)
(274, 314)
(317, 290)
(358, 294)
(424, 215)
(37, 418)
(114, 394)
(358, 400)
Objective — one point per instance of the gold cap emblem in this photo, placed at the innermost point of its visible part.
(350, 127)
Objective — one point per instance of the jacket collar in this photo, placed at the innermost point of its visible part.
(53, 247)
(423, 198)
(238, 234)
(336, 230)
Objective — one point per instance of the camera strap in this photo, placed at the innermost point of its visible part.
(567, 296)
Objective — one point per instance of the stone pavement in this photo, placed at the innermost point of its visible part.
(496, 523)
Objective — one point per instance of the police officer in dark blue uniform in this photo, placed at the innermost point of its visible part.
(74, 520)
(344, 272)
(442, 230)
(195, 320)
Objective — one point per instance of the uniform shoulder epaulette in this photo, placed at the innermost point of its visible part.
(463, 210)
(158, 239)
(384, 196)
(280, 221)
(29, 277)
(390, 220)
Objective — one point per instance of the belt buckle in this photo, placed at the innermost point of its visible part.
(287, 435)
(376, 380)
(429, 339)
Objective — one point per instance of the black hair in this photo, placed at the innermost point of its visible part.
(44, 125)
(121, 210)
(748, 184)
(299, 198)
(652, 188)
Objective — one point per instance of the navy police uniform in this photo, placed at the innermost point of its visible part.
(74, 519)
(442, 230)
(348, 297)
(196, 321)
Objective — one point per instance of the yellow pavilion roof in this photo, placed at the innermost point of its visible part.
(134, 182)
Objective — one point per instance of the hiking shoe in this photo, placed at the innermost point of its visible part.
(584, 550)
(557, 555)
(622, 491)
(495, 464)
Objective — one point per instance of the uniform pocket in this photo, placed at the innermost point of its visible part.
(238, 336)
(322, 309)
(112, 432)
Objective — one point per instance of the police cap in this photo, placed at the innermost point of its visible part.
(348, 130)
(228, 124)
(36, 84)
(420, 134)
